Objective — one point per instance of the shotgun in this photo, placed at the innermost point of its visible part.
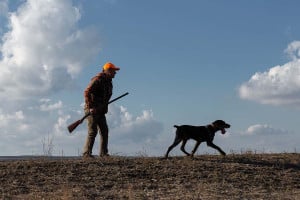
(74, 125)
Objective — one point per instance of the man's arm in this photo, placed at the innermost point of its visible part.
(89, 94)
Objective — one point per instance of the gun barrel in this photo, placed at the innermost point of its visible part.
(118, 97)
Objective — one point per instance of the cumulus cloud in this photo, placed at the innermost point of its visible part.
(61, 124)
(41, 52)
(8, 119)
(293, 50)
(44, 48)
(24, 131)
(260, 138)
(264, 129)
(125, 127)
(280, 85)
(47, 106)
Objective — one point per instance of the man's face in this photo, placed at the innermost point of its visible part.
(111, 73)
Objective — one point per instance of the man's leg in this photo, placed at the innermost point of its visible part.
(90, 139)
(104, 136)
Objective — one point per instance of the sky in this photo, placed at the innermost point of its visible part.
(182, 62)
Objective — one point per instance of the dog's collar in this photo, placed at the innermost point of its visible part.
(210, 128)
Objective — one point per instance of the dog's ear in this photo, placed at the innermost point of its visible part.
(215, 123)
(218, 122)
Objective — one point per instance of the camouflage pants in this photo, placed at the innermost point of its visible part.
(95, 123)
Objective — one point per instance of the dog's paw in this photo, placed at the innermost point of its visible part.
(166, 158)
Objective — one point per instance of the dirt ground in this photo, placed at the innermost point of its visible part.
(246, 176)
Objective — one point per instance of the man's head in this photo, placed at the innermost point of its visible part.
(110, 69)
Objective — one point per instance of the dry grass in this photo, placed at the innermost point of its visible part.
(246, 176)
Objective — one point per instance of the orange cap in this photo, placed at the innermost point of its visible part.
(109, 65)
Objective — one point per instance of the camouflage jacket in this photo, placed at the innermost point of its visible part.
(98, 92)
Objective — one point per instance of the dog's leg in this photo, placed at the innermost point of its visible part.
(175, 143)
(216, 147)
(195, 148)
(182, 147)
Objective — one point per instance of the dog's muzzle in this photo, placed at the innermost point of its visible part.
(223, 130)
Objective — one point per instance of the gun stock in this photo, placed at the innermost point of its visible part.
(74, 125)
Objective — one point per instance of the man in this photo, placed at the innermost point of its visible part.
(97, 96)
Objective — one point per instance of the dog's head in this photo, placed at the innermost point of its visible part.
(221, 125)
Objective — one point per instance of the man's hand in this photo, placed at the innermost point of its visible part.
(99, 110)
(92, 111)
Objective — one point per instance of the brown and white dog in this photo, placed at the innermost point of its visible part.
(200, 134)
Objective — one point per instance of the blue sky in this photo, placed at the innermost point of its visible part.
(183, 62)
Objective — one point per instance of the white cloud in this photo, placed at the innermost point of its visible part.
(264, 129)
(126, 128)
(61, 124)
(293, 50)
(9, 119)
(41, 53)
(280, 85)
(46, 106)
(24, 131)
(260, 138)
(44, 48)
(128, 134)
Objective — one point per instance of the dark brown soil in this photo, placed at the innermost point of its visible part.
(246, 176)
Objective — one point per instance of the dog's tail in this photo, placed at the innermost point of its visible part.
(176, 126)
